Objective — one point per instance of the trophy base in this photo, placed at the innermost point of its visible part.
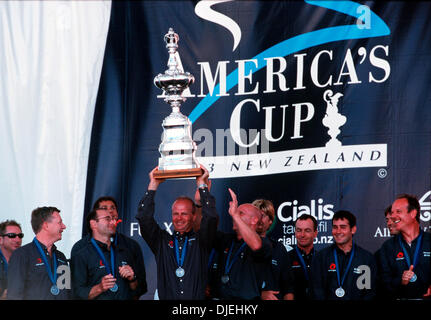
(180, 173)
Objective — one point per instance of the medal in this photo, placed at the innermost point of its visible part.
(225, 278)
(229, 263)
(114, 288)
(340, 292)
(180, 272)
(54, 290)
(52, 274)
(415, 257)
(109, 267)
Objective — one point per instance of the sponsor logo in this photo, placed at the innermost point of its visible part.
(425, 203)
(332, 267)
(289, 211)
(247, 152)
(400, 256)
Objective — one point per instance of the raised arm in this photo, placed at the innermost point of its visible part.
(245, 219)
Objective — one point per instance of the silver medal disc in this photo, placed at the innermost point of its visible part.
(414, 278)
(225, 279)
(114, 288)
(55, 290)
(340, 292)
(180, 272)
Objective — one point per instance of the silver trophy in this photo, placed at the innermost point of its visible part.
(177, 148)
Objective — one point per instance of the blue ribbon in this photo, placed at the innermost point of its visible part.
(4, 260)
(180, 262)
(416, 256)
(352, 253)
(229, 262)
(110, 267)
(301, 260)
(52, 274)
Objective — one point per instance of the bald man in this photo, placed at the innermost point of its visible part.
(242, 255)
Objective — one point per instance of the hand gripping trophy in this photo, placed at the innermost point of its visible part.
(177, 148)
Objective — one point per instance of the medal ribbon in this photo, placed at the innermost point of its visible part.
(52, 274)
(416, 256)
(301, 260)
(229, 262)
(180, 262)
(110, 267)
(352, 253)
(4, 260)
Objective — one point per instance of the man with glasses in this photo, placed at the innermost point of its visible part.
(38, 270)
(100, 269)
(109, 205)
(10, 240)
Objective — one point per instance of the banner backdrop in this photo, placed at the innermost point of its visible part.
(315, 105)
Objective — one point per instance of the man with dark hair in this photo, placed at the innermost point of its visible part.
(343, 271)
(390, 221)
(38, 270)
(291, 265)
(110, 206)
(100, 269)
(381, 291)
(10, 240)
(405, 258)
(181, 257)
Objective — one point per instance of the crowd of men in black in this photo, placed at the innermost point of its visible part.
(199, 262)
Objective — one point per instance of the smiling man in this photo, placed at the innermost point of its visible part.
(343, 271)
(181, 257)
(101, 269)
(405, 261)
(38, 270)
(107, 206)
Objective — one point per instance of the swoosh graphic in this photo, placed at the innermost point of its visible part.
(203, 9)
(314, 38)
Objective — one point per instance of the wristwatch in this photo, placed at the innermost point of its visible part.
(202, 186)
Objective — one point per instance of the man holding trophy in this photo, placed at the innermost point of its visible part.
(181, 257)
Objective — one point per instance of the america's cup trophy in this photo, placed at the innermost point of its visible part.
(177, 149)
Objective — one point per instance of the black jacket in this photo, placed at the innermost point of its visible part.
(392, 263)
(28, 278)
(323, 275)
(192, 285)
